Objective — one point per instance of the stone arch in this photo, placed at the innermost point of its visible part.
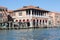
(16, 20)
(23, 20)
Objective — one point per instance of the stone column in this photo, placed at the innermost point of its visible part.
(40, 13)
(31, 18)
(46, 14)
(35, 22)
(13, 25)
(47, 23)
(42, 23)
(9, 24)
(31, 23)
(39, 23)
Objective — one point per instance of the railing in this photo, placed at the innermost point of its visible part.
(39, 16)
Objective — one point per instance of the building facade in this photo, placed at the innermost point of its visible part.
(3, 14)
(37, 17)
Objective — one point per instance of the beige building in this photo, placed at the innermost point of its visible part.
(37, 17)
(3, 14)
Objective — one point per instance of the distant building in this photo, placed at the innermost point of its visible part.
(3, 14)
(36, 16)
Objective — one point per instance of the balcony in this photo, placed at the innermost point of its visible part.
(40, 16)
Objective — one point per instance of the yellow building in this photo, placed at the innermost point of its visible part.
(37, 17)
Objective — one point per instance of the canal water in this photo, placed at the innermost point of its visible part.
(31, 34)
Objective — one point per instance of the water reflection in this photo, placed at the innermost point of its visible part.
(31, 34)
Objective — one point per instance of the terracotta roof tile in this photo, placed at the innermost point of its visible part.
(30, 7)
(10, 10)
(2, 7)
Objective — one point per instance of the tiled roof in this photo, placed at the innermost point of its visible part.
(10, 11)
(30, 7)
(2, 7)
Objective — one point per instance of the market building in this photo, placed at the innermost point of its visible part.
(37, 17)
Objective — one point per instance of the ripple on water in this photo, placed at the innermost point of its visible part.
(31, 34)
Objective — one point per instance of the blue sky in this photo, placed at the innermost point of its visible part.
(51, 5)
